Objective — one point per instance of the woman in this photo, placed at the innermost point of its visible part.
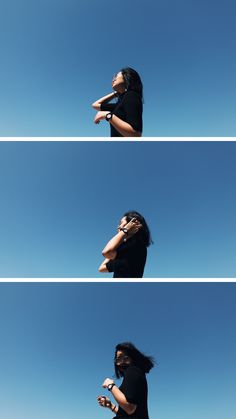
(124, 116)
(131, 396)
(125, 254)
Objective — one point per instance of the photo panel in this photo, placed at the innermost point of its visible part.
(58, 344)
(60, 56)
(63, 201)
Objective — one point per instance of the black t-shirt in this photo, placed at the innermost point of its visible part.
(130, 259)
(134, 387)
(129, 108)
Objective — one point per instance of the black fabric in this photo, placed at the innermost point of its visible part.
(129, 108)
(130, 260)
(134, 387)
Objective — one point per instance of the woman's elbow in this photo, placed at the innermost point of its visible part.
(131, 409)
(110, 254)
(137, 134)
(96, 105)
(103, 268)
(133, 133)
(106, 253)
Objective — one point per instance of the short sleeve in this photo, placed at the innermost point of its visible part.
(133, 109)
(114, 264)
(133, 385)
(110, 266)
(108, 107)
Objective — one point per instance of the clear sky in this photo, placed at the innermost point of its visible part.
(58, 56)
(57, 347)
(61, 202)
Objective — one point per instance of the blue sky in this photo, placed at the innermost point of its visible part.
(58, 56)
(61, 202)
(57, 347)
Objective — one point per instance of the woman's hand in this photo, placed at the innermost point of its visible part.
(107, 382)
(103, 401)
(133, 226)
(100, 115)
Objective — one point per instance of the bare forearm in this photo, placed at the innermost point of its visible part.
(112, 245)
(121, 400)
(107, 98)
(124, 128)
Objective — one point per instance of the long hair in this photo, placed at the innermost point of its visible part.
(139, 359)
(144, 233)
(132, 80)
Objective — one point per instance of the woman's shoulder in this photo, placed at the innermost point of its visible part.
(137, 244)
(135, 370)
(140, 245)
(132, 245)
(132, 95)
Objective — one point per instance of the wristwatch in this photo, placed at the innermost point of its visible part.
(108, 116)
(124, 230)
(110, 386)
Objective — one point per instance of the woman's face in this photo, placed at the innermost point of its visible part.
(122, 223)
(118, 82)
(122, 360)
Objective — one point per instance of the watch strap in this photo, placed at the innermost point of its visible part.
(109, 116)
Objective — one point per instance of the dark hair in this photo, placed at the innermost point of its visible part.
(144, 233)
(132, 80)
(145, 363)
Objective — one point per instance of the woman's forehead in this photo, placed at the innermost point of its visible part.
(119, 352)
(118, 74)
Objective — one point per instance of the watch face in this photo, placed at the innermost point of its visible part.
(109, 116)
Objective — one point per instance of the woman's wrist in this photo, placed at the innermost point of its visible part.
(125, 230)
(113, 407)
(122, 235)
(110, 386)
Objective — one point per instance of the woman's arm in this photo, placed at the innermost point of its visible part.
(120, 397)
(132, 228)
(107, 98)
(125, 129)
(109, 250)
(121, 400)
(103, 266)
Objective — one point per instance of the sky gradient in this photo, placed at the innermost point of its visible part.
(58, 56)
(57, 347)
(61, 202)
